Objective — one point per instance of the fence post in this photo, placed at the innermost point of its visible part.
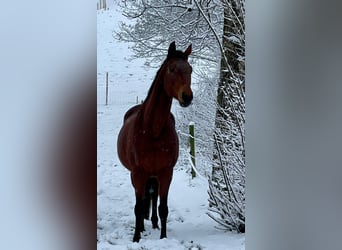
(192, 147)
(106, 88)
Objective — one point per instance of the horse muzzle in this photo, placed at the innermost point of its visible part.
(185, 101)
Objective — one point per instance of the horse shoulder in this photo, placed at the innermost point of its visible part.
(131, 111)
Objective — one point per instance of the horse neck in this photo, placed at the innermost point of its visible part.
(156, 108)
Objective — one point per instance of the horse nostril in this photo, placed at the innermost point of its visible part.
(186, 99)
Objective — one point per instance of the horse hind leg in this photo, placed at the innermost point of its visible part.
(147, 204)
(154, 197)
(151, 195)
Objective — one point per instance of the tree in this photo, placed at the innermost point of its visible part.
(227, 185)
(216, 30)
(156, 23)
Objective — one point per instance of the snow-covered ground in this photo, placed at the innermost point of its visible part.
(188, 225)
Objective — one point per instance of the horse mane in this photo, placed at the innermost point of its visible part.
(178, 54)
(155, 80)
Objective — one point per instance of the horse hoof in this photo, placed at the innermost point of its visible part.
(136, 238)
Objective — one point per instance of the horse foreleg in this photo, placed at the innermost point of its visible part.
(163, 213)
(139, 184)
(139, 223)
(164, 184)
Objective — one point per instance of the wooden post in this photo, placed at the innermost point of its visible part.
(106, 88)
(192, 147)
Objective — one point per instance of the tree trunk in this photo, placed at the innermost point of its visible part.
(228, 180)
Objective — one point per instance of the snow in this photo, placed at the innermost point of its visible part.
(188, 227)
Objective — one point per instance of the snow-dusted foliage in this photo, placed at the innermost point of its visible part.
(216, 30)
(227, 185)
(156, 23)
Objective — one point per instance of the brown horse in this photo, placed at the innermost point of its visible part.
(148, 142)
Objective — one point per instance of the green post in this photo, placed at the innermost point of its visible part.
(192, 147)
(106, 88)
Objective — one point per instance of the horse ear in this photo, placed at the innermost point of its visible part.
(188, 50)
(172, 48)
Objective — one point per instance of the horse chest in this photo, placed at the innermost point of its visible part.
(156, 153)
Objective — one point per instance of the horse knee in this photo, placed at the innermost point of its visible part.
(163, 211)
(138, 209)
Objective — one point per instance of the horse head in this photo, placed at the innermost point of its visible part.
(177, 77)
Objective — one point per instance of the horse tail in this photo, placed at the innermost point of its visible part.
(151, 195)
